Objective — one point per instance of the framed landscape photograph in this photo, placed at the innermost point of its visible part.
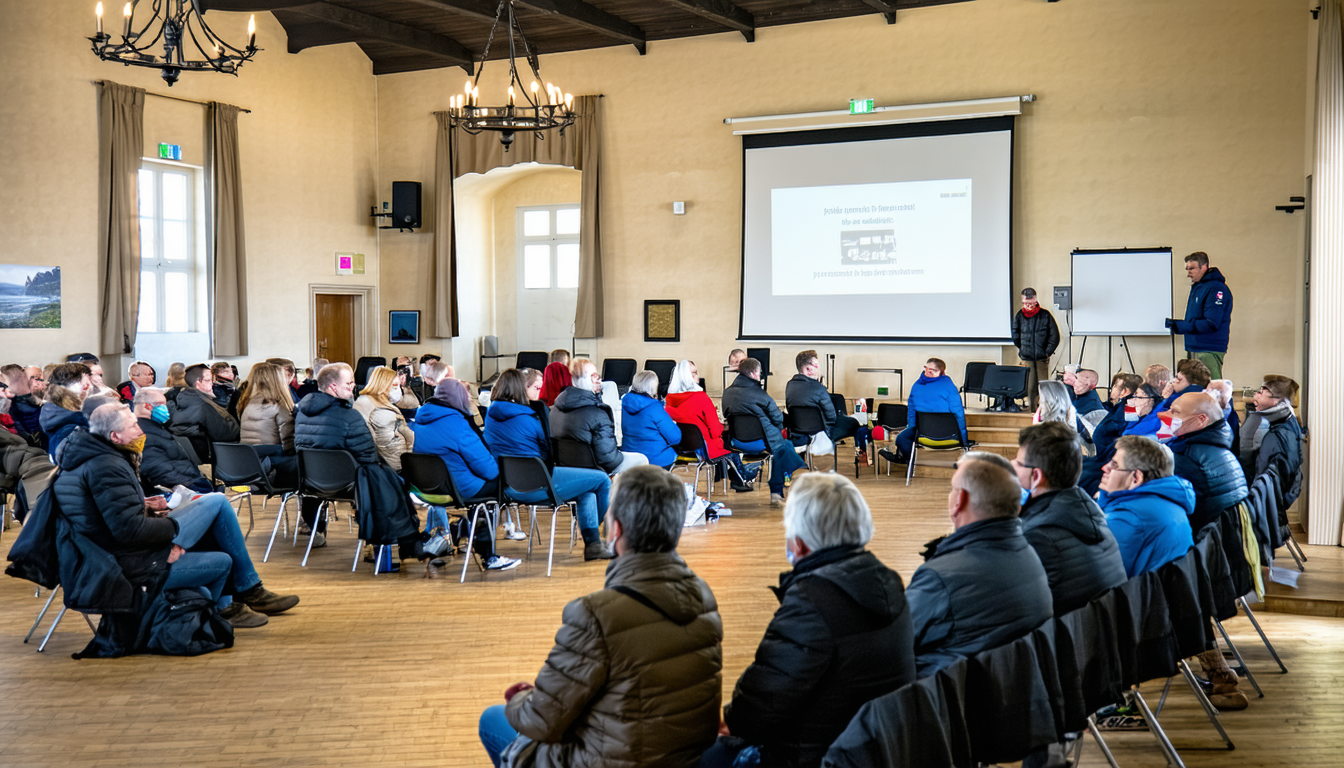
(403, 326)
(662, 319)
(30, 296)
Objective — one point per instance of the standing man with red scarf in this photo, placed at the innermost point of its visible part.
(1036, 337)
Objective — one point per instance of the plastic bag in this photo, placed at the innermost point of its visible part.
(822, 445)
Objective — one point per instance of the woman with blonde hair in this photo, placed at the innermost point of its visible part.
(177, 376)
(1056, 405)
(266, 409)
(385, 421)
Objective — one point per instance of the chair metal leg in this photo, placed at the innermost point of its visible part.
(41, 613)
(471, 540)
(550, 557)
(1246, 606)
(1245, 669)
(573, 525)
(377, 557)
(910, 468)
(1209, 710)
(312, 533)
(1096, 734)
(359, 550)
(275, 528)
(1155, 728)
(532, 532)
(52, 630)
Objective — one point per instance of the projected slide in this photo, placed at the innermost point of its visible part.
(892, 238)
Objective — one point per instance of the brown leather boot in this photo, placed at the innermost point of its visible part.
(1225, 695)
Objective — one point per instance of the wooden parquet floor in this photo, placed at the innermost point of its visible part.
(394, 670)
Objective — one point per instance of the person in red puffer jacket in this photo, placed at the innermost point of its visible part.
(687, 403)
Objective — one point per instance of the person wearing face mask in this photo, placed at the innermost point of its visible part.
(1063, 524)
(1147, 506)
(984, 584)
(841, 637)
(386, 423)
(1133, 400)
(61, 413)
(100, 495)
(1202, 442)
(163, 462)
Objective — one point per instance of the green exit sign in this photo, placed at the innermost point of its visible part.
(861, 106)
(170, 152)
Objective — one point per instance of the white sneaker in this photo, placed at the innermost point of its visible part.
(513, 534)
(776, 500)
(498, 563)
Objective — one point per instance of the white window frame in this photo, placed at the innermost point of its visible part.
(155, 262)
(552, 239)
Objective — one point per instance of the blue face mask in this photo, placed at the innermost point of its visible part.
(159, 414)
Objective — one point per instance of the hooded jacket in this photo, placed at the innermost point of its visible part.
(580, 414)
(514, 430)
(58, 423)
(938, 395)
(1208, 314)
(746, 396)
(1036, 338)
(1068, 531)
(331, 424)
(806, 391)
(1151, 522)
(840, 638)
(647, 429)
(163, 461)
(697, 409)
(983, 587)
(632, 681)
(1205, 458)
(27, 413)
(444, 432)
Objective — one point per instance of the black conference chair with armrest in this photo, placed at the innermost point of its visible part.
(663, 369)
(620, 371)
(1008, 382)
(537, 361)
(525, 474)
(328, 476)
(239, 465)
(428, 479)
(805, 421)
(935, 432)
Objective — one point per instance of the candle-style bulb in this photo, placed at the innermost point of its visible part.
(98, 9)
(126, 25)
(510, 95)
(569, 101)
(252, 31)
(475, 96)
(550, 93)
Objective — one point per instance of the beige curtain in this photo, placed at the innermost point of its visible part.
(121, 112)
(229, 332)
(459, 153)
(1325, 416)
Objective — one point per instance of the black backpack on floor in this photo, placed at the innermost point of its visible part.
(184, 622)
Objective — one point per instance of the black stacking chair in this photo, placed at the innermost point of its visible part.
(762, 354)
(935, 432)
(974, 381)
(239, 465)
(663, 369)
(428, 479)
(363, 366)
(893, 418)
(1190, 623)
(620, 371)
(329, 476)
(569, 452)
(691, 449)
(746, 428)
(535, 360)
(524, 474)
(805, 421)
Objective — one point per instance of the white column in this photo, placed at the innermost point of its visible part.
(1326, 414)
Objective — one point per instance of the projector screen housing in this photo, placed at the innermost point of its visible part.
(896, 233)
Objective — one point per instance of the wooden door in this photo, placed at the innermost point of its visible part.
(334, 326)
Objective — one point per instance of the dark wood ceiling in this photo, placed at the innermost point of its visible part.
(407, 35)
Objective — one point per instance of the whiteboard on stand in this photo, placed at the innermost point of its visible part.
(1122, 292)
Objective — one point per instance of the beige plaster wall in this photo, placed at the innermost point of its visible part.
(1157, 123)
(309, 166)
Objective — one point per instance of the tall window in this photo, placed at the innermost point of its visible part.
(167, 248)
(548, 246)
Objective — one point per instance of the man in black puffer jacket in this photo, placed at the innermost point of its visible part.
(1203, 448)
(579, 414)
(164, 463)
(1063, 524)
(1036, 337)
(806, 389)
(197, 417)
(842, 635)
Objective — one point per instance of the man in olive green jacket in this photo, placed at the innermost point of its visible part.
(635, 677)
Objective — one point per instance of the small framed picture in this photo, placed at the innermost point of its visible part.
(403, 326)
(662, 319)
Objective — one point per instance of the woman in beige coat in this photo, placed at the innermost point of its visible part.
(388, 426)
(266, 421)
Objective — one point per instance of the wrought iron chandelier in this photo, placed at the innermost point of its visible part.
(527, 109)
(172, 23)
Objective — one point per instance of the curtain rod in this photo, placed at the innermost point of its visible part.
(175, 98)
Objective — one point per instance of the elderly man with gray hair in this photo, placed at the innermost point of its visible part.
(984, 584)
(841, 637)
(635, 677)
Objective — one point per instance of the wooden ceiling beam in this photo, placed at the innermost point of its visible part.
(593, 19)
(887, 8)
(368, 27)
(721, 12)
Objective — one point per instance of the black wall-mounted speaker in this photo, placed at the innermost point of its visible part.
(406, 204)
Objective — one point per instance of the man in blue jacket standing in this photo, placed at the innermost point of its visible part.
(935, 392)
(1208, 314)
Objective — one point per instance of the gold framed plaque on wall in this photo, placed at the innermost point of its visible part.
(662, 319)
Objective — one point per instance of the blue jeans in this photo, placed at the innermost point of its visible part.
(589, 487)
(784, 462)
(495, 731)
(212, 514)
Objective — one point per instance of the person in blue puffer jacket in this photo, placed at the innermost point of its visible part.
(935, 392)
(1191, 376)
(1147, 507)
(441, 428)
(1203, 448)
(646, 427)
(1208, 314)
(513, 428)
